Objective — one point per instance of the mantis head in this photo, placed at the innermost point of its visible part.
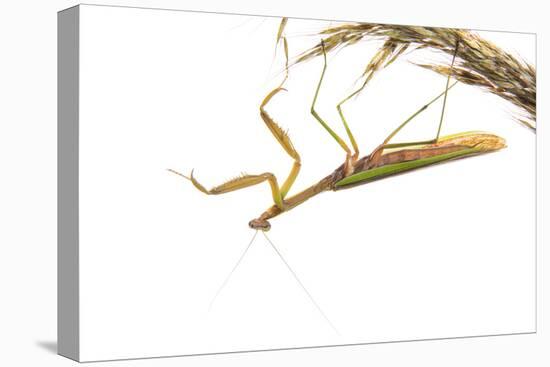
(260, 224)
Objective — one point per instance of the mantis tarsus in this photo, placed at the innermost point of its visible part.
(385, 160)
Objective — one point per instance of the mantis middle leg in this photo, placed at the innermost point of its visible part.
(335, 136)
(387, 54)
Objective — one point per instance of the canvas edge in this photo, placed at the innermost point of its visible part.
(68, 328)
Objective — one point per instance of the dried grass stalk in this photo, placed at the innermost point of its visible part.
(479, 62)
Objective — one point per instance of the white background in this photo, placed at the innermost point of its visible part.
(29, 223)
(433, 254)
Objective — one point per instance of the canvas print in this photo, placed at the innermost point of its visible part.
(241, 183)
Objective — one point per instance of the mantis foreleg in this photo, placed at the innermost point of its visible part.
(284, 140)
(239, 183)
(246, 180)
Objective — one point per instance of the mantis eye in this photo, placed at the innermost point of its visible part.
(259, 224)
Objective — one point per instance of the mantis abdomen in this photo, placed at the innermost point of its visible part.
(402, 160)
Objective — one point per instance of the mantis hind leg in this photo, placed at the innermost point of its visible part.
(375, 156)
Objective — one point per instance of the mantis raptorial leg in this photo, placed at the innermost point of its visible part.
(284, 140)
(240, 183)
(246, 180)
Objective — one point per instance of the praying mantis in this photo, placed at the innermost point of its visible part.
(387, 159)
